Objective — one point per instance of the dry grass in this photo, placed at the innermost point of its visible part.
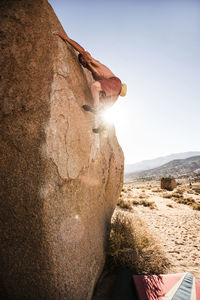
(186, 200)
(177, 194)
(148, 187)
(167, 195)
(131, 246)
(179, 191)
(142, 196)
(190, 192)
(126, 204)
(150, 204)
(156, 190)
(196, 206)
(196, 190)
(145, 203)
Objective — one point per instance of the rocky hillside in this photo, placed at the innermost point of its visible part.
(157, 162)
(59, 181)
(177, 168)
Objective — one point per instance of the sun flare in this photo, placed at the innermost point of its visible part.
(111, 115)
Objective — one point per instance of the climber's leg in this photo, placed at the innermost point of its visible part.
(95, 88)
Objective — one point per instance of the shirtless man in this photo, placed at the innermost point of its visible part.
(107, 87)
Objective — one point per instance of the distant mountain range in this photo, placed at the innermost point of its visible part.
(153, 163)
(178, 168)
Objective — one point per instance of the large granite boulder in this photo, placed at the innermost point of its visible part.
(60, 181)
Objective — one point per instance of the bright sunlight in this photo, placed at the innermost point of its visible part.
(111, 115)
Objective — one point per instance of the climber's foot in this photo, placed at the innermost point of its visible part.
(99, 129)
(89, 108)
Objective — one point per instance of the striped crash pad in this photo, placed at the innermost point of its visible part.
(182, 286)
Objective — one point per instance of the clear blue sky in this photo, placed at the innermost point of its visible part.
(153, 46)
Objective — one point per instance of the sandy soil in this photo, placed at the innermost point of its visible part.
(175, 226)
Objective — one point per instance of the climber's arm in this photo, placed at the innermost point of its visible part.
(74, 44)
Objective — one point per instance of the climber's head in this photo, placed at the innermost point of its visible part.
(82, 60)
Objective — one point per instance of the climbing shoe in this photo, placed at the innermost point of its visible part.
(89, 108)
(100, 129)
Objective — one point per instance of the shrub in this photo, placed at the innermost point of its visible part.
(170, 205)
(142, 196)
(177, 195)
(196, 206)
(145, 203)
(149, 204)
(188, 201)
(166, 195)
(130, 245)
(126, 204)
(136, 202)
(179, 191)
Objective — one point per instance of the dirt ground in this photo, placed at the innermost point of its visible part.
(175, 226)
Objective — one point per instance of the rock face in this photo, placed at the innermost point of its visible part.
(60, 181)
(168, 183)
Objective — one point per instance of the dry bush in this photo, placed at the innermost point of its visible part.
(188, 201)
(177, 194)
(196, 191)
(136, 202)
(126, 204)
(148, 187)
(131, 245)
(196, 187)
(190, 192)
(167, 195)
(150, 204)
(142, 196)
(170, 205)
(196, 206)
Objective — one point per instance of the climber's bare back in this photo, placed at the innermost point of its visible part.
(99, 70)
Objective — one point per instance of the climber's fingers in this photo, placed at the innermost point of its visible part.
(60, 34)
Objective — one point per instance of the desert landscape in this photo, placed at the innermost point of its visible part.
(173, 218)
(165, 231)
(156, 223)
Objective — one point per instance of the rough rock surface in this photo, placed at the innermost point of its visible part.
(168, 183)
(60, 182)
